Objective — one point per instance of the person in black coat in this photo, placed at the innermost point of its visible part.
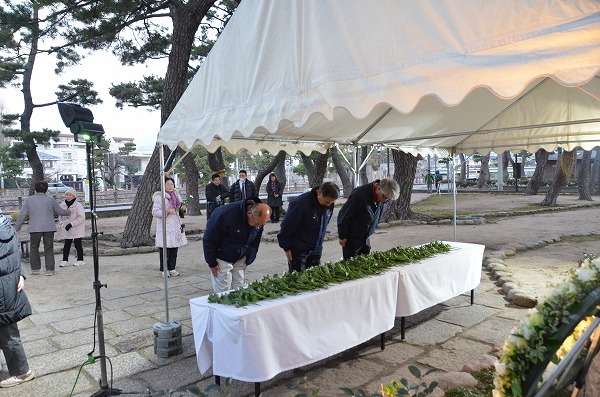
(274, 190)
(231, 241)
(305, 224)
(361, 213)
(242, 188)
(14, 306)
(215, 195)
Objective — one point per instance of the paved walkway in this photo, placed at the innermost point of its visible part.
(60, 333)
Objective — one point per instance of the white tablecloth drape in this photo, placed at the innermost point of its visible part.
(437, 279)
(255, 343)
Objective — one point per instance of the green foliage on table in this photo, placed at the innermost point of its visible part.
(319, 277)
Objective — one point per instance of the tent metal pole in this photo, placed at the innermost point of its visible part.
(164, 229)
(355, 166)
(345, 158)
(453, 191)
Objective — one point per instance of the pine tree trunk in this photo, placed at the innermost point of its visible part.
(364, 179)
(339, 167)
(186, 18)
(217, 165)
(280, 158)
(139, 221)
(405, 167)
(583, 176)
(524, 154)
(484, 171)
(564, 167)
(507, 161)
(315, 170)
(463, 168)
(191, 186)
(595, 178)
(533, 186)
(280, 171)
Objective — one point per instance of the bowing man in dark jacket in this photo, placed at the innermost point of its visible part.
(14, 306)
(361, 213)
(231, 241)
(304, 226)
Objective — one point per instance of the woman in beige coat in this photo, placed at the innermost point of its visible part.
(175, 234)
(73, 227)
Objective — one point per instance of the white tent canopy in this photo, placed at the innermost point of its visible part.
(463, 76)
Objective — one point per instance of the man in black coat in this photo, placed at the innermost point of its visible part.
(14, 304)
(361, 213)
(215, 194)
(242, 188)
(231, 241)
(304, 226)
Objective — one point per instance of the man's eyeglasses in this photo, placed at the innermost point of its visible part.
(381, 197)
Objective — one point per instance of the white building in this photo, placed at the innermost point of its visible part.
(65, 160)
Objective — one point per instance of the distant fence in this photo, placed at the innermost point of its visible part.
(13, 199)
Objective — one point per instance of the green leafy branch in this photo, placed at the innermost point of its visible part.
(319, 277)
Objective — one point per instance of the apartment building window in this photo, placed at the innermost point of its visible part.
(67, 156)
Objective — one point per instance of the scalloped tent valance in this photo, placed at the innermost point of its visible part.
(474, 75)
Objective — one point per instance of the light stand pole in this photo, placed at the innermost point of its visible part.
(105, 389)
(80, 121)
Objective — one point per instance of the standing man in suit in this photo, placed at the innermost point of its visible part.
(242, 188)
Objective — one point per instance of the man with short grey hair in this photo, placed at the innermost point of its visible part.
(361, 213)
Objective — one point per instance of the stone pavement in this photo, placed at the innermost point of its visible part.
(452, 337)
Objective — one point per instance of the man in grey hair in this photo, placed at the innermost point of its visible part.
(361, 213)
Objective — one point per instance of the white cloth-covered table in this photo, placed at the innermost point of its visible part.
(437, 279)
(255, 343)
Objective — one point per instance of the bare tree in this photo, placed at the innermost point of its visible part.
(564, 167)
(316, 166)
(217, 164)
(405, 167)
(595, 178)
(280, 158)
(463, 168)
(341, 170)
(583, 176)
(364, 152)
(484, 171)
(533, 186)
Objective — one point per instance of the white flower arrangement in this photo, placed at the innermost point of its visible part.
(535, 337)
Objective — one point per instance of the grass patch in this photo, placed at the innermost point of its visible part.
(581, 239)
(437, 206)
(484, 387)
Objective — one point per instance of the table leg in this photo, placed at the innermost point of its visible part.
(217, 380)
(257, 389)
(472, 296)
(382, 340)
(402, 325)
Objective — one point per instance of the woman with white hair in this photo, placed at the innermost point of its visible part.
(73, 227)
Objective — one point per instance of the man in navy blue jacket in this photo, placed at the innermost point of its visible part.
(359, 217)
(231, 241)
(304, 226)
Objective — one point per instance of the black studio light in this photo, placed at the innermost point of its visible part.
(80, 122)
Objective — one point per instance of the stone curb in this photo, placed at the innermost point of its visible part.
(493, 262)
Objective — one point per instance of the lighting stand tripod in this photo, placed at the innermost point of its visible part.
(105, 389)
